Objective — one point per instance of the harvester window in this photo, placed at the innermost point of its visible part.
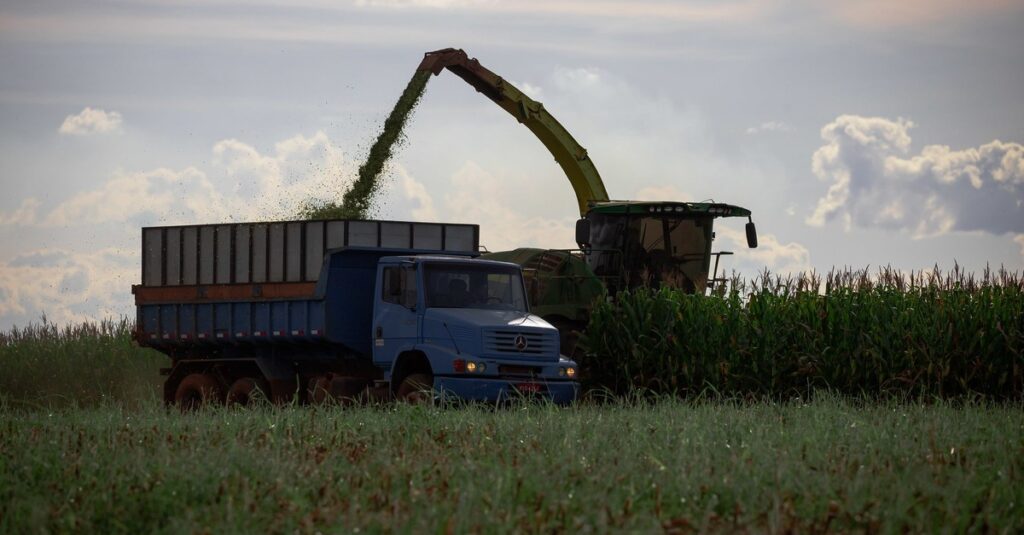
(652, 234)
(686, 237)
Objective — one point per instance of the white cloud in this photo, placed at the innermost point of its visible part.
(91, 121)
(876, 182)
(769, 126)
(416, 191)
(479, 196)
(242, 184)
(531, 90)
(24, 214)
(66, 286)
(772, 254)
(661, 193)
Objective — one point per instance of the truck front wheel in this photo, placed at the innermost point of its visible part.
(416, 388)
(196, 390)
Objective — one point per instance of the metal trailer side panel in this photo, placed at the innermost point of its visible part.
(260, 320)
(428, 237)
(222, 321)
(315, 248)
(259, 253)
(288, 251)
(149, 318)
(459, 238)
(152, 256)
(186, 322)
(189, 260)
(241, 320)
(172, 257)
(397, 235)
(276, 252)
(168, 322)
(362, 234)
(293, 252)
(243, 237)
(222, 273)
(204, 322)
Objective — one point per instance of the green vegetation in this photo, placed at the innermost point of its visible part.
(86, 445)
(358, 201)
(826, 464)
(84, 364)
(925, 334)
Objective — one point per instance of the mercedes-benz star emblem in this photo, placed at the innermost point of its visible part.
(520, 342)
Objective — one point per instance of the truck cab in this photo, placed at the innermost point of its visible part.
(463, 327)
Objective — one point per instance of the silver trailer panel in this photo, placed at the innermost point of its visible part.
(287, 251)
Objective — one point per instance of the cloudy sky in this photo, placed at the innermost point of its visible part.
(860, 133)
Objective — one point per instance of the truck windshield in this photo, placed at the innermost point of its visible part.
(468, 286)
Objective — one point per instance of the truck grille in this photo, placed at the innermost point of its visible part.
(536, 343)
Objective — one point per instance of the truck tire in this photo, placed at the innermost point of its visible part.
(247, 391)
(197, 390)
(416, 388)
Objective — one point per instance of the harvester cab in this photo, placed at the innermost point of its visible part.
(634, 243)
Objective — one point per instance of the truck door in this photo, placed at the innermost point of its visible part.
(395, 322)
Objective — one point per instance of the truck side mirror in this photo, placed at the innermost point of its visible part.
(751, 235)
(583, 233)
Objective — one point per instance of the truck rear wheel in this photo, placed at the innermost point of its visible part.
(416, 388)
(197, 390)
(248, 390)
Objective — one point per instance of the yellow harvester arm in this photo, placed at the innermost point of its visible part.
(583, 176)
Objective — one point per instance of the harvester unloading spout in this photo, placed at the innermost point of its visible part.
(570, 155)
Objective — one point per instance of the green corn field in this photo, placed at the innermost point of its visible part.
(850, 332)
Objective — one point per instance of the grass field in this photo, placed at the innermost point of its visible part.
(87, 446)
(824, 465)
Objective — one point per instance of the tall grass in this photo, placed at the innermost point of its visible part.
(917, 334)
(82, 364)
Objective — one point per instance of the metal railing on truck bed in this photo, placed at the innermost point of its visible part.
(284, 251)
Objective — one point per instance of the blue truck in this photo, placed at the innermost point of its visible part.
(342, 310)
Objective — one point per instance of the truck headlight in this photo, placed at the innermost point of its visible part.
(470, 366)
(570, 372)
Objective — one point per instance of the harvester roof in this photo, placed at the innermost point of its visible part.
(712, 209)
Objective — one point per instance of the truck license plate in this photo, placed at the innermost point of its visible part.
(530, 388)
